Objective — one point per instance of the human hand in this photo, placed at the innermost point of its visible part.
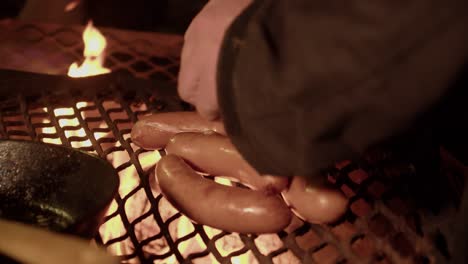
(203, 40)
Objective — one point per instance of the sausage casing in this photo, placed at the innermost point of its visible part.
(228, 208)
(216, 155)
(154, 131)
(315, 204)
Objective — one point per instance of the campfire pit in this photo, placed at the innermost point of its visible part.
(96, 115)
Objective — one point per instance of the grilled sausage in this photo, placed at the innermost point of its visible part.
(154, 131)
(315, 204)
(214, 154)
(228, 208)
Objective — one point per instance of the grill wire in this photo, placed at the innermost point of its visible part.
(380, 226)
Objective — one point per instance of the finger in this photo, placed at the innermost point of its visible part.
(208, 112)
(206, 101)
(189, 74)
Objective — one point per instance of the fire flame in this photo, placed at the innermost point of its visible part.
(94, 52)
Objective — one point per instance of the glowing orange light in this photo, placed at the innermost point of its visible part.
(71, 5)
(94, 52)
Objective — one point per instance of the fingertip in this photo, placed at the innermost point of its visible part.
(188, 78)
(187, 85)
(208, 113)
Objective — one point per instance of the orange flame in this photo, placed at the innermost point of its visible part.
(95, 45)
(94, 52)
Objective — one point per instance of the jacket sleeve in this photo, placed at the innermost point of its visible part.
(302, 83)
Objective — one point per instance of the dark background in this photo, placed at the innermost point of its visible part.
(172, 16)
(10, 8)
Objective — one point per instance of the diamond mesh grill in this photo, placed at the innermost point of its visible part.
(381, 225)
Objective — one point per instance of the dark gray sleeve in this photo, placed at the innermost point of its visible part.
(303, 83)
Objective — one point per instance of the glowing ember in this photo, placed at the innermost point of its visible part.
(138, 204)
(94, 52)
(69, 123)
(225, 245)
(72, 5)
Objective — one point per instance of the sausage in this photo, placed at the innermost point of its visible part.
(216, 155)
(315, 204)
(232, 209)
(154, 131)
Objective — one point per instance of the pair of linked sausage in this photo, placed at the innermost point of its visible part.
(229, 208)
(241, 210)
(200, 143)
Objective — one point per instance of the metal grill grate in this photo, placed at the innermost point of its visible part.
(381, 226)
